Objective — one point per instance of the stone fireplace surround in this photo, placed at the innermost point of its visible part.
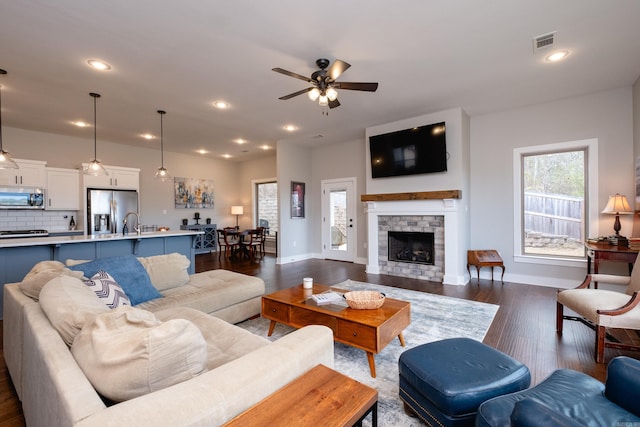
(444, 204)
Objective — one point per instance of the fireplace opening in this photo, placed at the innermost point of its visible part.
(410, 246)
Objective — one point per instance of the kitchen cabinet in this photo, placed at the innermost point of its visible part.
(32, 173)
(63, 189)
(118, 178)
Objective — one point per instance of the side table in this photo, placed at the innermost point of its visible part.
(321, 397)
(485, 258)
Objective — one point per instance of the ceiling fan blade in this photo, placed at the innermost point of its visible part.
(369, 87)
(338, 67)
(291, 74)
(291, 95)
(334, 104)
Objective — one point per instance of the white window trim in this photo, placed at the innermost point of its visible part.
(254, 196)
(591, 145)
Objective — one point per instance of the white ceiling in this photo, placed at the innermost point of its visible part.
(180, 56)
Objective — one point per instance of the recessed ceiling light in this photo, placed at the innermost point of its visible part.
(201, 151)
(227, 156)
(221, 105)
(290, 128)
(265, 147)
(557, 56)
(240, 141)
(99, 65)
(147, 136)
(81, 124)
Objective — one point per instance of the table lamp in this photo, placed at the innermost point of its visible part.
(237, 211)
(618, 205)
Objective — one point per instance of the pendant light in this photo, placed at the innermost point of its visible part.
(95, 168)
(6, 162)
(162, 174)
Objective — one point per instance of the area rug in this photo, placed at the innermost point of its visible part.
(433, 318)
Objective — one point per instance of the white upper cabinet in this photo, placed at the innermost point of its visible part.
(32, 173)
(118, 178)
(63, 189)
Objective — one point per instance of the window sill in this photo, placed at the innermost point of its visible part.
(539, 259)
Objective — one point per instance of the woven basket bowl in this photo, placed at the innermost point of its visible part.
(364, 300)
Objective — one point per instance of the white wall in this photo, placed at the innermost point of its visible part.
(606, 116)
(294, 240)
(250, 170)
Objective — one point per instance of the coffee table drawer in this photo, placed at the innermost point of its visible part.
(275, 310)
(357, 334)
(303, 317)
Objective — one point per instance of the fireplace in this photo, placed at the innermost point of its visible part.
(411, 212)
(410, 246)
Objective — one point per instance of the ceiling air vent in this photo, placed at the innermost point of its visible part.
(544, 41)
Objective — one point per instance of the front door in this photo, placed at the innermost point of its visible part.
(339, 219)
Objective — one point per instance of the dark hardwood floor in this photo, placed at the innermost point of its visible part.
(524, 326)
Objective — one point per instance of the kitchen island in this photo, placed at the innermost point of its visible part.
(18, 256)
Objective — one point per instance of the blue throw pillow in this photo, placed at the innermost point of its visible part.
(129, 274)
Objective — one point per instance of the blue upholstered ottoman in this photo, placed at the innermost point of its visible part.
(444, 382)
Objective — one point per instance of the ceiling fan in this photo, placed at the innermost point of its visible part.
(324, 85)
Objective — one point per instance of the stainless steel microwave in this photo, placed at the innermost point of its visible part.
(21, 198)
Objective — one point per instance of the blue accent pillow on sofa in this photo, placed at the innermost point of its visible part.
(129, 274)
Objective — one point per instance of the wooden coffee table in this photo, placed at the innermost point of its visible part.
(369, 330)
(321, 397)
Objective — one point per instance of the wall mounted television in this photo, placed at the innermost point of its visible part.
(418, 150)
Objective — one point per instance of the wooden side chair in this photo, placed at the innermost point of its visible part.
(228, 239)
(601, 309)
(263, 238)
(252, 241)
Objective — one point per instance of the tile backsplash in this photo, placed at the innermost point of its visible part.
(52, 221)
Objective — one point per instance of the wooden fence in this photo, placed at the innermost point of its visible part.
(554, 215)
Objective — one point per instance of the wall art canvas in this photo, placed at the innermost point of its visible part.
(193, 193)
(297, 199)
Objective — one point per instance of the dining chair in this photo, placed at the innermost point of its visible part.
(602, 309)
(228, 238)
(252, 241)
(263, 238)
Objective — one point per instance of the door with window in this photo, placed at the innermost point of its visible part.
(339, 219)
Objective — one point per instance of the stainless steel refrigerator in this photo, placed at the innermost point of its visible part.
(106, 210)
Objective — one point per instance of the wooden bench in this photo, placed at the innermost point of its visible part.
(485, 258)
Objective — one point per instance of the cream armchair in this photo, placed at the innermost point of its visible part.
(602, 309)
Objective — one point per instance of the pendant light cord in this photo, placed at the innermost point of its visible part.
(2, 72)
(95, 125)
(162, 113)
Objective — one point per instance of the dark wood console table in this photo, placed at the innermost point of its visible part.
(607, 252)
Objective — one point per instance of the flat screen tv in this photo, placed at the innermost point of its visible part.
(412, 151)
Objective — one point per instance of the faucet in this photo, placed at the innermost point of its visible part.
(125, 229)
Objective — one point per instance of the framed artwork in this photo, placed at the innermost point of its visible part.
(193, 193)
(297, 199)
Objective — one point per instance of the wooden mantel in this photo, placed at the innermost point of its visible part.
(421, 195)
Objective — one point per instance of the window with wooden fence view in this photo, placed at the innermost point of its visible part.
(554, 204)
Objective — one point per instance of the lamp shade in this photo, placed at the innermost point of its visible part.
(617, 205)
(237, 210)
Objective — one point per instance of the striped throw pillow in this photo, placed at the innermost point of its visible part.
(108, 290)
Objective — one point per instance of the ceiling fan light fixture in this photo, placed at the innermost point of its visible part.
(95, 168)
(313, 94)
(323, 100)
(332, 94)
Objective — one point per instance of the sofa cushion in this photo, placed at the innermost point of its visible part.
(127, 353)
(128, 272)
(167, 271)
(210, 291)
(225, 342)
(40, 274)
(107, 290)
(69, 304)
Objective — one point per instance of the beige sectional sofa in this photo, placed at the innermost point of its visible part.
(227, 370)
